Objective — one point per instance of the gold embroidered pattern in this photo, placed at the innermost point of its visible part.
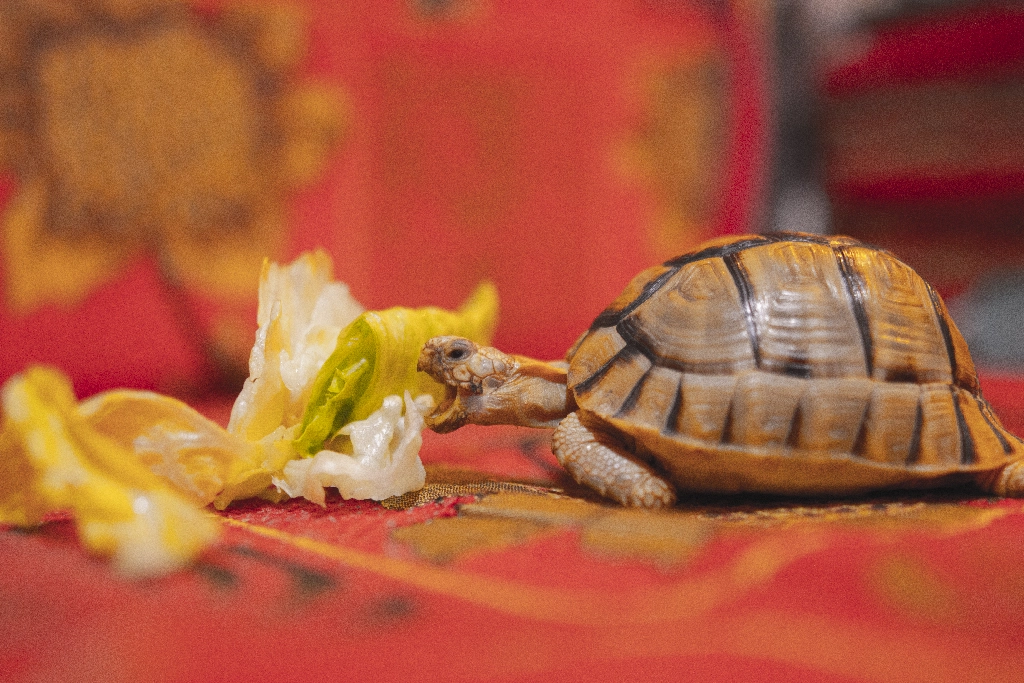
(680, 149)
(145, 126)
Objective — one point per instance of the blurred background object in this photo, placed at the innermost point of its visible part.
(923, 130)
(151, 148)
(156, 150)
(990, 314)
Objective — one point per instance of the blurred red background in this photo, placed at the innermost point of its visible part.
(556, 150)
(428, 145)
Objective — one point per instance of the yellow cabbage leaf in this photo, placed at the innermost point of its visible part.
(301, 312)
(191, 452)
(54, 459)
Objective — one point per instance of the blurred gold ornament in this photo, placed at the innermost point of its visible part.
(678, 150)
(144, 125)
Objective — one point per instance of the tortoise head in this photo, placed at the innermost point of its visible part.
(485, 386)
(467, 371)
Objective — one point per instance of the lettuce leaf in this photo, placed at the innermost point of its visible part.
(326, 380)
(376, 357)
(55, 458)
(379, 457)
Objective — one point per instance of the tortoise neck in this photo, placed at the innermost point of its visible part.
(543, 398)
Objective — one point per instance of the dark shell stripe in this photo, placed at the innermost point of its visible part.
(960, 364)
(589, 383)
(627, 329)
(856, 290)
(741, 278)
(612, 317)
(914, 452)
(796, 427)
(986, 413)
(968, 455)
(859, 447)
(721, 250)
(947, 338)
(881, 416)
(672, 425)
(632, 399)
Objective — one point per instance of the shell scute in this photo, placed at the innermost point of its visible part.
(940, 435)
(905, 331)
(831, 413)
(592, 354)
(764, 406)
(607, 390)
(703, 406)
(802, 311)
(891, 423)
(695, 322)
(639, 289)
(657, 388)
(991, 444)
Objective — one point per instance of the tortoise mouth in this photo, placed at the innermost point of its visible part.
(446, 417)
(451, 393)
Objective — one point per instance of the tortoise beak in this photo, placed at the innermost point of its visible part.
(449, 415)
(425, 363)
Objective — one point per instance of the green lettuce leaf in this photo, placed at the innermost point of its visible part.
(376, 357)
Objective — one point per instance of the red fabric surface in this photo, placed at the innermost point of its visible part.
(906, 587)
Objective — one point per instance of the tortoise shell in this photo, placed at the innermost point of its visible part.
(788, 363)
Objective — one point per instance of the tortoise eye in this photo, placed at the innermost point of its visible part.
(456, 354)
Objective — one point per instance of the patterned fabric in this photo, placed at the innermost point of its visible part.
(502, 568)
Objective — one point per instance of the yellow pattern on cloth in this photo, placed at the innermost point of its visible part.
(147, 126)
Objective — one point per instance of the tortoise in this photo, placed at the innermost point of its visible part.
(783, 363)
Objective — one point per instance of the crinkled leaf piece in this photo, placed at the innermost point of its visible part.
(56, 459)
(380, 457)
(174, 441)
(301, 312)
(194, 454)
(376, 357)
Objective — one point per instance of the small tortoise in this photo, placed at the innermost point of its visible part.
(780, 363)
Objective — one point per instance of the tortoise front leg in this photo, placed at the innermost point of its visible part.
(594, 460)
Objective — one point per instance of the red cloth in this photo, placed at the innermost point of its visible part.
(521, 585)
